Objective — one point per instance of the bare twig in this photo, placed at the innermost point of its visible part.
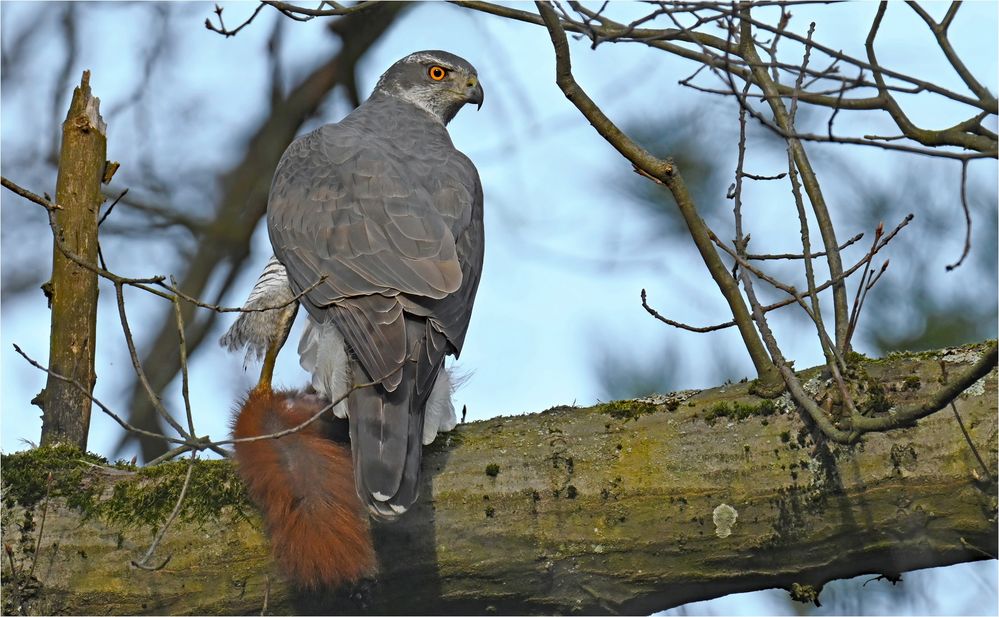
(137, 365)
(221, 29)
(25, 193)
(940, 32)
(680, 325)
(773, 256)
(104, 408)
(971, 444)
(111, 207)
(182, 343)
(41, 525)
(143, 563)
(967, 217)
(863, 285)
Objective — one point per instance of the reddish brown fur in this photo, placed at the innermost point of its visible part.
(303, 484)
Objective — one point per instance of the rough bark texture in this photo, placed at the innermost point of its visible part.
(614, 508)
(73, 288)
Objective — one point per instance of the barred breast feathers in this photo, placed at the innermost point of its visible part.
(256, 330)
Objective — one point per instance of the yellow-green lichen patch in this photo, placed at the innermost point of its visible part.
(627, 410)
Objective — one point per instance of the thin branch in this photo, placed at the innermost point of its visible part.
(41, 526)
(940, 32)
(787, 301)
(104, 408)
(185, 382)
(772, 256)
(863, 286)
(971, 444)
(25, 193)
(111, 207)
(779, 176)
(137, 365)
(142, 563)
(803, 165)
(967, 217)
(611, 31)
(221, 29)
(682, 326)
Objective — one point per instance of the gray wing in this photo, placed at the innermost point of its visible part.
(378, 226)
(450, 315)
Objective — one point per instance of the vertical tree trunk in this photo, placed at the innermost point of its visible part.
(82, 160)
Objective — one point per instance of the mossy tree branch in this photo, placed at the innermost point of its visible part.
(609, 509)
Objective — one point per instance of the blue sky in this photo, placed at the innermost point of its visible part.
(566, 253)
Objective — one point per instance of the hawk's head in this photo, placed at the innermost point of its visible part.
(437, 81)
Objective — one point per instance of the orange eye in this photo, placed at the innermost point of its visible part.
(437, 73)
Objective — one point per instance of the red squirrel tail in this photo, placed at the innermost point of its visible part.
(303, 484)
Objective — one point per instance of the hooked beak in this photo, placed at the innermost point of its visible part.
(473, 92)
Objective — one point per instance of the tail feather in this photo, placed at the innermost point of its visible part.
(303, 484)
(387, 427)
(379, 436)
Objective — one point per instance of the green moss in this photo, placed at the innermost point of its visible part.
(627, 410)
(26, 476)
(877, 399)
(855, 358)
(138, 495)
(911, 382)
(152, 496)
(739, 411)
(492, 470)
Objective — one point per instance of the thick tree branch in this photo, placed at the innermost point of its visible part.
(601, 510)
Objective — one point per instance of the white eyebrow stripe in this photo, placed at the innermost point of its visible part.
(418, 58)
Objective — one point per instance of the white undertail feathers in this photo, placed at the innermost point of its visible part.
(322, 351)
